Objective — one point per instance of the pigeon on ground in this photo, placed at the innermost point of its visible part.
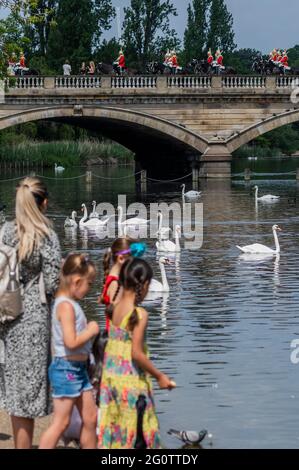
(189, 437)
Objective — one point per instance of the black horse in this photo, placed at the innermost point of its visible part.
(274, 69)
(201, 67)
(27, 72)
(258, 66)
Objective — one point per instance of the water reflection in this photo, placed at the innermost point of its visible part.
(227, 320)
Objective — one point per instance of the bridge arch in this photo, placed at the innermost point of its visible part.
(258, 129)
(108, 118)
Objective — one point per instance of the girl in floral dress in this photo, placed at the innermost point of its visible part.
(127, 368)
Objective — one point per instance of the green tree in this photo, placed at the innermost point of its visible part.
(43, 13)
(195, 38)
(108, 51)
(146, 30)
(242, 59)
(79, 26)
(221, 33)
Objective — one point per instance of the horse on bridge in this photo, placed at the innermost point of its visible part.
(201, 67)
(108, 69)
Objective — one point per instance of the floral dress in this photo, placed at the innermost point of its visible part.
(25, 343)
(122, 385)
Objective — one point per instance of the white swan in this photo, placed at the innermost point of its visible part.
(267, 198)
(94, 214)
(163, 232)
(157, 286)
(59, 169)
(167, 246)
(258, 248)
(93, 223)
(190, 194)
(130, 222)
(71, 223)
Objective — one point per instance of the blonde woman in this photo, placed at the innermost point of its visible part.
(24, 386)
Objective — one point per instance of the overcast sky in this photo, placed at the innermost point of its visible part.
(259, 24)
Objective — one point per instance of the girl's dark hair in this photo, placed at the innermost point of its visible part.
(134, 274)
(79, 264)
(119, 245)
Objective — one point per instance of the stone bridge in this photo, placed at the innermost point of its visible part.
(167, 121)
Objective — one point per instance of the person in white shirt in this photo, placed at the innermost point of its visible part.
(67, 69)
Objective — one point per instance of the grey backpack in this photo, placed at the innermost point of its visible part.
(11, 290)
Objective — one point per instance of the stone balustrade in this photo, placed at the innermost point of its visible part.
(160, 83)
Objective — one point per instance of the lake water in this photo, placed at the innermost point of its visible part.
(225, 330)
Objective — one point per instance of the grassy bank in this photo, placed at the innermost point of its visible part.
(66, 153)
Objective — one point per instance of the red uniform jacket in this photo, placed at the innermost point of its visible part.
(174, 61)
(210, 59)
(285, 61)
(22, 62)
(220, 60)
(122, 61)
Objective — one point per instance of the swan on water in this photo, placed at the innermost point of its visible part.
(130, 222)
(157, 286)
(71, 223)
(94, 214)
(163, 232)
(167, 246)
(59, 169)
(258, 248)
(266, 198)
(190, 194)
(93, 223)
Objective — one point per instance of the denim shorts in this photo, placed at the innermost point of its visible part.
(68, 379)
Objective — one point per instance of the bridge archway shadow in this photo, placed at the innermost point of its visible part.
(161, 147)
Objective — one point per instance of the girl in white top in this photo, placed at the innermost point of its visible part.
(71, 344)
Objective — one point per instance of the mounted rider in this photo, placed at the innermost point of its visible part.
(120, 63)
(210, 58)
(285, 61)
(22, 61)
(167, 58)
(12, 61)
(218, 62)
(174, 64)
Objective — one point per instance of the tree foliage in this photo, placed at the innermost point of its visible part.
(195, 38)
(78, 27)
(147, 31)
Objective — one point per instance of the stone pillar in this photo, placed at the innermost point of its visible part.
(216, 162)
(271, 83)
(49, 83)
(162, 83)
(216, 82)
(105, 83)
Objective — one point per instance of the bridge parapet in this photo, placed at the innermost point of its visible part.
(156, 84)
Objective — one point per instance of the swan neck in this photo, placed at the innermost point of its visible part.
(164, 277)
(177, 239)
(277, 245)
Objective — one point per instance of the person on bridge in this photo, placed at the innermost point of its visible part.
(174, 63)
(210, 59)
(167, 58)
(279, 57)
(67, 69)
(12, 64)
(22, 61)
(285, 60)
(273, 56)
(91, 68)
(121, 62)
(219, 58)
